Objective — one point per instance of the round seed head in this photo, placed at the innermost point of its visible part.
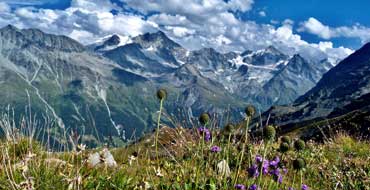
(269, 132)
(229, 128)
(299, 145)
(161, 94)
(204, 118)
(250, 111)
(284, 147)
(286, 139)
(299, 164)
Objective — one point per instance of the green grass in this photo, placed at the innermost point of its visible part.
(342, 163)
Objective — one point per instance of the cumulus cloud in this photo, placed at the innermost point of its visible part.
(85, 20)
(28, 2)
(314, 26)
(4, 7)
(206, 23)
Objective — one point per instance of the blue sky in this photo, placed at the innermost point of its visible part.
(312, 27)
(334, 13)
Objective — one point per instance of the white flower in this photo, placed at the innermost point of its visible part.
(158, 172)
(131, 159)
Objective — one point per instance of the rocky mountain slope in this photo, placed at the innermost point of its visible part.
(265, 77)
(341, 93)
(105, 91)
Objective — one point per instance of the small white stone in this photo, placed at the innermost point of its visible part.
(223, 169)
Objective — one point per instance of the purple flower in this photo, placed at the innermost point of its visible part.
(215, 149)
(276, 175)
(253, 171)
(265, 167)
(304, 187)
(207, 134)
(275, 162)
(259, 159)
(290, 188)
(280, 179)
(240, 186)
(285, 171)
(253, 187)
(275, 172)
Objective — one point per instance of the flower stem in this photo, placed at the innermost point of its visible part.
(242, 153)
(158, 124)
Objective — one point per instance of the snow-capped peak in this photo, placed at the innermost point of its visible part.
(111, 42)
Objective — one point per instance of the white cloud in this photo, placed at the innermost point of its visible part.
(28, 2)
(262, 13)
(314, 26)
(241, 5)
(4, 7)
(206, 23)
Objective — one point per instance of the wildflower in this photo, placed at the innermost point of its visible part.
(285, 171)
(215, 149)
(299, 145)
(269, 132)
(253, 171)
(280, 179)
(277, 176)
(290, 188)
(304, 187)
(158, 172)
(250, 110)
(161, 94)
(253, 187)
(240, 187)
(229, 128)
(204, 118)
(275, 162)
(207, 134)
(284, 147)
(299, 163)
(259, 159)
(81, 147)
(275, 172)
(265, 167)
(131, 159)
(286, 139)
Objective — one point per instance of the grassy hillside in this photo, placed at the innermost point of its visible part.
(189, 159)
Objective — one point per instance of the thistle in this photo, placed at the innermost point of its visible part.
(250, 111)
(204, 118)
(299, 164)
(269, 132)
(229, 129)
(299, 145)
(161, 95)
(286, 139)
(284, 147)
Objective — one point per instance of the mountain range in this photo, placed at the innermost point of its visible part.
(339, 101)
(106, 90)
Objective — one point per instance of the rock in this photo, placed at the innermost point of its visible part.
(223, 169)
